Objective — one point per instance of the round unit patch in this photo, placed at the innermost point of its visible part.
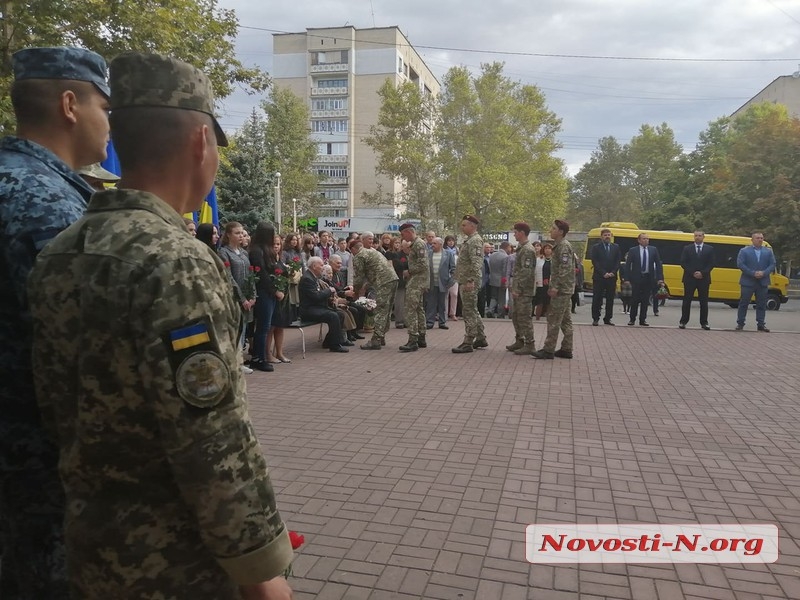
(203, 379)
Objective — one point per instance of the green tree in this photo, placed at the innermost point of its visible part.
(245, 182)
(197, 31)
(290, 151)
(652, 161)
(599, 192)
(496, 142)
(403, 141)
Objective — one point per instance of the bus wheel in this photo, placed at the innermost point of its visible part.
(773, 302)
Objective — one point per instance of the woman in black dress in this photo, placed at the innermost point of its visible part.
(282, 317)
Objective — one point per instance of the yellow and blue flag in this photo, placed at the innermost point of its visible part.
(188, 337)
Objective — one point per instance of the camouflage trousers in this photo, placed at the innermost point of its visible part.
(415, 308)
(559, 317)
(383, 310)
(521, 318)
(473, 325)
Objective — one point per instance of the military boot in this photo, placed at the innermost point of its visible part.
(421, 341)
(525, 349)
(464, 347)
(518, 343)
(373, 344)
(480, 343)
(411, 345)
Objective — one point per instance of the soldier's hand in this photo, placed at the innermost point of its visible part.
(274, 589)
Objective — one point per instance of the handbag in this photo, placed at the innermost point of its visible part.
(626, 289)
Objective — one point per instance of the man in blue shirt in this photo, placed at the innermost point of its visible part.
(756, 263)
(60, 100)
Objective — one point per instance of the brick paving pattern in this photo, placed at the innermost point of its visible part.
(414, 475)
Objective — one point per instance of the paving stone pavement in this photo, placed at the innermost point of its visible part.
(414, 475)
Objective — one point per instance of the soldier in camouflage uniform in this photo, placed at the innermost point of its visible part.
(562, 286)
(469, 271)
(138, 368)
(60, 99)
(371, 267)
(419, 279)
(523, 286)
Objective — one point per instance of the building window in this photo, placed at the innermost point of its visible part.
(333, 194)
(332, 126)
(400, 64)
(332, 171)
(338, 57)
(329, 104)
(331, 83)
(333, 148)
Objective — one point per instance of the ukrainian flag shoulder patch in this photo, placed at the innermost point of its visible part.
(188, 337)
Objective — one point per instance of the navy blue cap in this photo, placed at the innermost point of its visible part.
(76, 64)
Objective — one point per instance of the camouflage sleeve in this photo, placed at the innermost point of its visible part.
(562, 277)
(359, 277)
(418, 264)
(198, 396)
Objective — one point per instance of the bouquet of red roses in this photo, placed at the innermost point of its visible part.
(250, 281)
(279, 279)
(295, 269)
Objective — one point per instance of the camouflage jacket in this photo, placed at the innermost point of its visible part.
(40, 195)
(136, 360)
(469, 267)
(524, 275)
(562, 269)
(418, 265)
(371, 266)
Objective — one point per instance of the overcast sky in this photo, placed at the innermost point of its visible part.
(594, 97)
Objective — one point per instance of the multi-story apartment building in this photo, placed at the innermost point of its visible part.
(339, 72)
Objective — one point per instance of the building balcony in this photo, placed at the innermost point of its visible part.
(331, 158)
(316, 114)
(331, 68)
(327, 203)
(334, 181)
(337, 91)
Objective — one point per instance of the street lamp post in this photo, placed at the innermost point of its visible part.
(294, 215)
(278, 201)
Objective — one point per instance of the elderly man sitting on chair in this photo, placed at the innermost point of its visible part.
(316, 306)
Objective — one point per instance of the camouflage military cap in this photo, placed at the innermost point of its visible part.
(61, 62)
(154, 80)
(97, 172)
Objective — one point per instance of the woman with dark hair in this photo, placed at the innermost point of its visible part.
(306, 249)
(290, 254)
(208, 234)
(542, 276)
(261, 248)
(282, 315)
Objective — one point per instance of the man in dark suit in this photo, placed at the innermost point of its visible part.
(315, 305)
(606, 257)
(643, 268)
(697, 261)
(756, 262)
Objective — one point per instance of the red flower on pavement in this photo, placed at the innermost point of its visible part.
(296, 539)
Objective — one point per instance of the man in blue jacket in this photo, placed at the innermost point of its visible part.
(756, 263)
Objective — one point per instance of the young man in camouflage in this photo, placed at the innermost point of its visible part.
(562, 286)
(138, 367)
(419, 279)
(371, 266)
(469, 272)
(523, 286)
(60, 100)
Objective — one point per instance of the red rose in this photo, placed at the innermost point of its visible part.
(296, 539)
(278, 271)
(403, 259)
(258, 269)
(296, 259)
(252, 268)
(227, 264)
